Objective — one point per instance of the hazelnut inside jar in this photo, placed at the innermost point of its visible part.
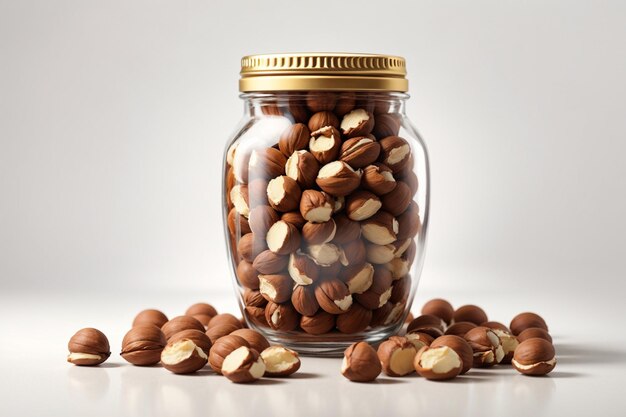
(325, 199)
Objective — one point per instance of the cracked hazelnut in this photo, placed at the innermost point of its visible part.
(267, 163)
(240, 164)
(471, 313)
(460, 346)
(438, 363)
(283, 193)
(315, 206)
(248, 276)
(346, 230)
(281, 316)
(526, 320)
(396, 356)
(397, 200)
(142, 345)
(353, 253)
(333, 296)
(302, 269)
(379, 254)
(378, 178)
(401, 246)
(420, 340)
(319, 323)
(199, 338)
(381, 228)
(321, 101)
(360, 363)
(533, 332)
(354, 320)
(304, 301)
(534, 357)
(359, 152)
(338, 178)
(318, 233)
(399, 268)
(283, 238)
(323, 119)
(303, 168)
(150, 316)
(428, 324)
(409, 222)
(253, 298)
(486, 345)
(440, 308)
(88, 347)
(180, 323)
(295, 218)
(255, 339)
(237, 224)
(358, 278)
(261, 218)
(395, 153)
(222, 347)
(294, 138)
(239, 197)
(324, 144)
(243, 365)
(381, 316)
(268, 262)
(325, 254)
(362, 205)
(250, 246)
(509, 342)
(460, 328)
(276, 288)
(379, 292)
(280, 361)
(183, 357)
(387, 124)
(256, 315)
(359, 122)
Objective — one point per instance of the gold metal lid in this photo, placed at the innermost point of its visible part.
(323, 71)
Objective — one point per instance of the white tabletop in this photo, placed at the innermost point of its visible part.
(35, 379)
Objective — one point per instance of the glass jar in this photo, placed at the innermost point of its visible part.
(325, 199)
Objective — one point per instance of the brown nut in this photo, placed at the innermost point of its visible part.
(338, 178)
(354, 253)
(486, 345)
(247, 275)
(281, 316)
(324, 144)
(319, 323)
(202, 318)
(379, 292)
(360, 363)
(321, 101)
(294, 138)
(460, 328)
(268, 262)
(333, 296)
(304, 301)
(395, 153)
(359, 152)
(399, 268)
(224, 318)
(261, 218)
(250, 246)
(400, 289)
(322, 119)
(534, 357)
(201, 308)
(266, 163)
(283, 238)
(283, 193)
(183, 357)
(237, 224)
(297, 110)
(346, 230)
(325, 254)
(316, 206)
(533, 332)
(255, 339)
(295, 218)
(196, 336)
(508, 340)
(362, 205)
(280, 361)
(409, 222)
(243, 365)
(396, 356)
(397, 200)
(150, 316)
(460, 346)
(345, 103)
(88, 347)
(431, 325)
(222, 347)
(276, 288)
(318, 233)
(410, 178)
(471, 313)
(401, 247)
(253, 298)
(355, 320)
(142, 345)
(527, 320)
(180, 323)
(302, 269)
(378, 178)
(438, 363)
(256, 315)
(239, 196)
(420, 340)
(381, 228)
(224, 329)
(382, 316)
(303, 168)
(387, 124)
(440, 308)
(379, 254)
(358, 278)
(359, 122)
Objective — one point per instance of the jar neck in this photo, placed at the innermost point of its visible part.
(301, 105)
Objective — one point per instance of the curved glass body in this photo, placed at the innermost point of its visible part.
(325, 202)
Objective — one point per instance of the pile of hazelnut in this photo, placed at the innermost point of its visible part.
(322, 221)
(185, 344)
(443, 343)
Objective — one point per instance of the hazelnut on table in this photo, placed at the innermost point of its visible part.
(88, 347)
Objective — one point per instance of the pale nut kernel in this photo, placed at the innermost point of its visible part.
(359, 122)
(222, 347)
(438, 363)
(283, 193)
(359, 152)
(419, 340)
(358, 278)
(325, 254)
(381, 228)
(460, 346)
(243, 365)
(379, 254)
(398, 267)
(333, 296)
(183, 357)
(237, 224)
(378, 178)
(360, 363)
(401, 246)
(319, 233)
(239, 197)
(395, 153)
(338, 178)
(316, 206)
(196, 336)
(361, 205)
(283, 238)
(323, 119)
(486, 345)
(281, 316)
(276, 288)
(280, 361)
(302, 269)
(304, 301)
(324, 144)
(294, 138)
(378, 292)
(303, 168)
(396, 356)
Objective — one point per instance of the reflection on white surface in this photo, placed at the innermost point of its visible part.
(91, 383)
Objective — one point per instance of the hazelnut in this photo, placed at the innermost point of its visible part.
(410, 179)
(202, 318)
(256, 315)
(379, 292)
(401, 245)
(325, 254)
(340, 203)
(315, 206)
(397, 200)
(321, 101)
(302, 269)
(239, 197)
(257, 192)
(396, 356)
(150, 316)
(250, 246)
(346, 230)
(142, 345)
(533, 332)
(318, 233)
(237, 224)
(438, 363)
(196, 336)
(353, 253)
(222, 347)
(243, 365)
(268, 262)
(509, 342)
(354, 320)
(362, 205)
(304, 301)
(359, 122)
(261, 218)
(395, 153)
(180, 323)
(280, 361)
(253, 298)
(460, 346)
(283, 238)
(460, 328)
(399, 268)
(281, 316)
(267, 163)
(534, 357)
(409, 318)
(224, 318)
(527, 320)
(248, 276)
(276, 288)
(486, 345)
(409, 222)
(471, 313)
(295, 218)
(378, 178)
(283, 193)
(322, 119)
(88, 347)
(382, 316)
(387, 124)
(319, 323)
(221, 330)
(297, 110)
(333, 296)
(183, 357)
(381, 228)
(324, 144)
(255, 339)
(294, 138)
(360, 363)
(200, 308)
(440, 308)
(303, 168)
(338, 178)
(379, 254)
(345, 103)
(240, 165)
(420, 340)
(400, 290)
(428, 324)
(359, 152)
(358, 278)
